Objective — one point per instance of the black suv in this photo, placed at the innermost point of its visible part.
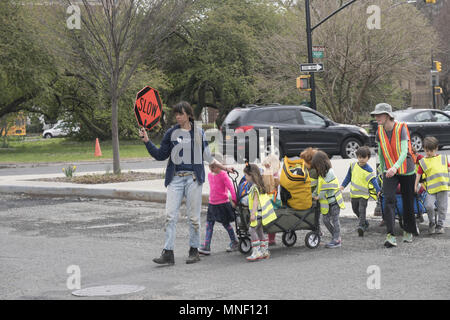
(299, 127)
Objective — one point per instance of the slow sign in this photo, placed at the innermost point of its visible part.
(148, 108)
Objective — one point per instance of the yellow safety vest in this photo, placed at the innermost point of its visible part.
(265, 207)
(360, 185)
(436, 172)
(391, 149)
(323, 200)
(313, 183)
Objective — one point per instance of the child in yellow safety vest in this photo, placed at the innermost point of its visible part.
(329, 195)
(261, 213)
(436, 170)
(271, 179)
(363, 180)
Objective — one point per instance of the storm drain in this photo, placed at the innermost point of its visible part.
(112, 290)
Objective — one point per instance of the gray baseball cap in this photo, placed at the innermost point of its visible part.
(383, 108)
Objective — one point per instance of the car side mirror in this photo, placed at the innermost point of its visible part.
(327, 123)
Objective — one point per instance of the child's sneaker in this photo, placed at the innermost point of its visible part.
(233, 246)
(390, 241)
(333, 244)
(407, 237)
(431, 228)
(204, 250)
(440, 230)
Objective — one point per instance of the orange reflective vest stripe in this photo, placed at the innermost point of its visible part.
(392, 148)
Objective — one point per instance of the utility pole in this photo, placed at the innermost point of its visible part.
(432, 82)
(310, 54)
(309, 31)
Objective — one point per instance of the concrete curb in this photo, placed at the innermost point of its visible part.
(129, 194)
(125, 194)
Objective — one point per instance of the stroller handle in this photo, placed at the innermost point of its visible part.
(235, 173)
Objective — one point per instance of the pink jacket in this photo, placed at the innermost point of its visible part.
(218, 186)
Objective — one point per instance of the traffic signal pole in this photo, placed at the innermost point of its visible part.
(310, 54)
(432, 87)
(309, 31)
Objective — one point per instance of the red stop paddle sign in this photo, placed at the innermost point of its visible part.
(148, 108)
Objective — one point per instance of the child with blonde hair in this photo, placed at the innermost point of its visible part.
(271, 178)
(261, 213)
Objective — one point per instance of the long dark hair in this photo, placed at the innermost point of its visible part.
(184, 107)
(253, 171)
(321, 163)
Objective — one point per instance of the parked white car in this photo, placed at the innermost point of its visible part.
(447, 109)
(60, 129)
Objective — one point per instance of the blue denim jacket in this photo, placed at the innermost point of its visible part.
(165, 152)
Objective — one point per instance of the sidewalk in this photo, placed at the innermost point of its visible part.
(151, 190)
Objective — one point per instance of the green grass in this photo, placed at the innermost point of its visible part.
(65, 150)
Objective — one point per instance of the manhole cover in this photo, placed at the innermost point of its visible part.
(114, 290)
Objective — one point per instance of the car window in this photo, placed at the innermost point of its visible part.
(265, 116)
(288, 116)
(234, 116)
(312, 119)
(423, 117)
(441, 117)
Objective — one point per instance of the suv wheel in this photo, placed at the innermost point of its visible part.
(48, 136)
(349, 147)
(416, 142)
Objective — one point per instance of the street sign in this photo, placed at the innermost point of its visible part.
(311, 67)
(148, 108)
(318, 51)
(434, 78)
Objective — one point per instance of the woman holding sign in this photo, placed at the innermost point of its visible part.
(186, 148)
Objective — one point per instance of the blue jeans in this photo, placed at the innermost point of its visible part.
(179, 188)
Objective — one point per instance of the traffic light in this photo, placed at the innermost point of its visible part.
(303, 83)
(437, 66)
(429, 1)
(437, 91)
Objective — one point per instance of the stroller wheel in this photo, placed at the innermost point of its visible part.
(312, 240)
(245, 245)
(289, 238)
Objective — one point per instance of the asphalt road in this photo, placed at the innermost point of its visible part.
(113, 242)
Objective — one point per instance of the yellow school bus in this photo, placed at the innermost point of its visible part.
(16, 126)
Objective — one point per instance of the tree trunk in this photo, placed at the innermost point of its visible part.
(115, 133)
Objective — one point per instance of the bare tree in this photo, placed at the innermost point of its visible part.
(443, 27)
(364, 65)
(114, 40)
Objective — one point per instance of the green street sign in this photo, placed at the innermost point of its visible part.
(318, 54)
(318, 51)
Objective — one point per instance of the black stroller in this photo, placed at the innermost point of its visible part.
(288, 221)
